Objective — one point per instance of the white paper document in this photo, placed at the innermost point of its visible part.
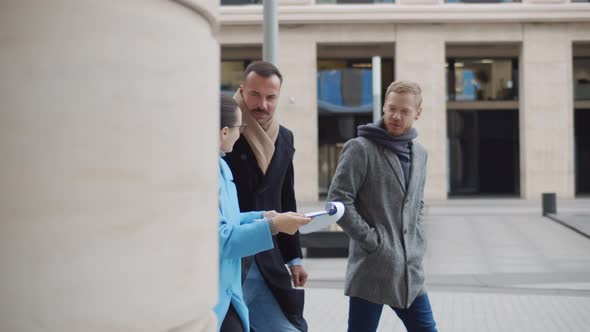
(322, 219)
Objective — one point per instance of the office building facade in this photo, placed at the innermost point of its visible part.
(506, 86)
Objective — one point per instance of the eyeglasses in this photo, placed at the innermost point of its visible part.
(242, 127)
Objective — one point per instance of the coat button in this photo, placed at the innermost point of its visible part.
(228, 291)
(405, 232)
(244, 157)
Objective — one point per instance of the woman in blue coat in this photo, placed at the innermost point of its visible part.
(240, 234)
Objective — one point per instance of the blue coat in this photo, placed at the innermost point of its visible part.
(240, 235)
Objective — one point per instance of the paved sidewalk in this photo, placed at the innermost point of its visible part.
(493, 265)
(327, 310)
(579, 222)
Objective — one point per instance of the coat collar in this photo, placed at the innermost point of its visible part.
(396, 166)
(417, 156)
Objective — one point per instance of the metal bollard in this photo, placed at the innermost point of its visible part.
(549, 203)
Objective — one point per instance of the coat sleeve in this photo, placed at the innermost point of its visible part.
(348, 179)
(289, 245)
(248, 217)
(237, 241)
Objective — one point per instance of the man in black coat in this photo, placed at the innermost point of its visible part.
(262, 165)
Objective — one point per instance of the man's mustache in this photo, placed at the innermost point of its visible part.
(260, 110)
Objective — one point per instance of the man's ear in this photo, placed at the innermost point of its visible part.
(418, 113)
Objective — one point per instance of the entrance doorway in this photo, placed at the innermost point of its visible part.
(582, 143)
(483, 152)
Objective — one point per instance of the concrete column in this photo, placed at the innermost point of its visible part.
(546, 112)
(420, 57)
(298, 64)
(108, 202)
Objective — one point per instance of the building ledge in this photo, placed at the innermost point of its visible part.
(483, 105)
(399, 13)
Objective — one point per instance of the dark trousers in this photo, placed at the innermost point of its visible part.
(363, 316)
(231, 322)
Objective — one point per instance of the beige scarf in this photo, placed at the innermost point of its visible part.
(261, 140)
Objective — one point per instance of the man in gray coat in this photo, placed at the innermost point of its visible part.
(380, 179)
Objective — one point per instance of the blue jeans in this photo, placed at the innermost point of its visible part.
(363, 316)
(265, 313)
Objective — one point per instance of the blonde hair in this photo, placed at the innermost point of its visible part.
(406, 87)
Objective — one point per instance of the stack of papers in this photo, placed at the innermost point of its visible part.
(324, 218)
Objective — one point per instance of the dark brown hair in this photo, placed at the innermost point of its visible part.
(264, 69)
(228, 111)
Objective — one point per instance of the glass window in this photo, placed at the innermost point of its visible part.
(231, 75)
(345, 101)
(482, 79)
(345, 88)
(240, 2)
(352, 1)
(481, 1)
(582, 78)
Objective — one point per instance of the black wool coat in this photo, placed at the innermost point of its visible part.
(272, 191)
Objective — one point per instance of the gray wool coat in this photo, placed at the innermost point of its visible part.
(384, 221)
